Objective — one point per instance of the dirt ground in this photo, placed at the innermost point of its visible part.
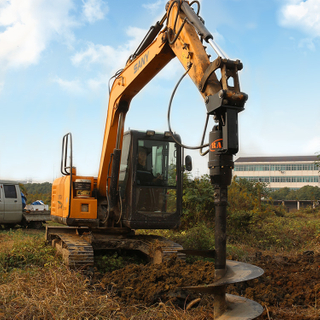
(154, 283)
(289, 288)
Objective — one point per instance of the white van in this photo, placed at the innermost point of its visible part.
(11, 207)
(10, 202)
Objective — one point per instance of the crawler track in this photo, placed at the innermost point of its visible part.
(75, 251)
(77, 245)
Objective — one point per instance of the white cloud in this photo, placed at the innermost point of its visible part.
(303, 15)
(155, 6)
(97, 83)
(94, 10)
(307, 43)
(29, 26)
(108, 56)
(73, 86)
(94, 53)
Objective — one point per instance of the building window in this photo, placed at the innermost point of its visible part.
(276, 167)
(286, 179)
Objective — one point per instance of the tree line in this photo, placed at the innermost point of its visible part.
(244, 200)
(198, 196)
(304, 193)
(37, 191)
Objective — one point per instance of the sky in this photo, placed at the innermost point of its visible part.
(56, 58)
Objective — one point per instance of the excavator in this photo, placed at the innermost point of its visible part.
(139, 182)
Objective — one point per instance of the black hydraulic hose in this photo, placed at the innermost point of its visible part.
(114, 76)
(176, 35)
(203, 136)
(169, 112)
(198, 3)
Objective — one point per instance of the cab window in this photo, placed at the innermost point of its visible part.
(10, 191)
(156, 163)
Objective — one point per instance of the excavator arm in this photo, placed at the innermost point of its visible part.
(179, 37)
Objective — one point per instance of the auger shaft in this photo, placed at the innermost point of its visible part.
(221, 172)
(220, 247)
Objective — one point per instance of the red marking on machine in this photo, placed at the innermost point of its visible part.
(216, 145)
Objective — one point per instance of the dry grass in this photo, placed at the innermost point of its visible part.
(35, 285)
(60, 293)
(294, 313)
(55, 293)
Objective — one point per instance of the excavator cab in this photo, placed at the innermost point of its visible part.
(150, 182)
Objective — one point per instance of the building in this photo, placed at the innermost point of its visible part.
(279, 172)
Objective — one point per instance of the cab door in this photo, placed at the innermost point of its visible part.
(12, 203)
(1, 203)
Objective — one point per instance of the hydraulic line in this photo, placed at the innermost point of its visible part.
(169, 112)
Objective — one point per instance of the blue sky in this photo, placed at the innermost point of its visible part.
(56, 58)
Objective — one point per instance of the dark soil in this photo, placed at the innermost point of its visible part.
(150, 283)
(289, 288)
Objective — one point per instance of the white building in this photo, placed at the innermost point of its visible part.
(279, 172)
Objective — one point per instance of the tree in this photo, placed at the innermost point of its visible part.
(23, 189)
(246, 195)
(280, 194)
(308, 193)
(304, 193)
(197, 201)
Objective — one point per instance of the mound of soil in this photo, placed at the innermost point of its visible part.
(154, 283)
(289, 288)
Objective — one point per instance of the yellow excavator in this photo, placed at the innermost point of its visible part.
(139, 183)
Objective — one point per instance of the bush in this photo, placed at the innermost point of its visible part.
(199, 237)
(245, 195)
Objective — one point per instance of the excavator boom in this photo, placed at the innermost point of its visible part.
(187, 47)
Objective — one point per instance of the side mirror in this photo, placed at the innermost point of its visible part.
(188, 163)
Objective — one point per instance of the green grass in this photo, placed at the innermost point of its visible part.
(297, 231)
(290, 232)
(27, 250)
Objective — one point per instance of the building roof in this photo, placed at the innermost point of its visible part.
(278, 159)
